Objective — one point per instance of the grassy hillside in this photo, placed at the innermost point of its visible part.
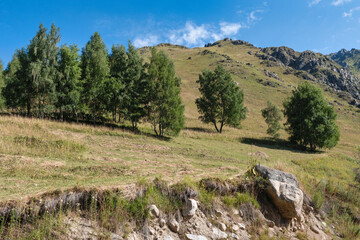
(40, 155)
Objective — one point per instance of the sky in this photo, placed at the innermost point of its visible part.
(319, 25)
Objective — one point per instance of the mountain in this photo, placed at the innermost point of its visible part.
(348, 59)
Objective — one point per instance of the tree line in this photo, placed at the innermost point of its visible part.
(47, 81)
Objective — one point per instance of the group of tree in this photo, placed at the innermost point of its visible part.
(310, 119)
(45, 80)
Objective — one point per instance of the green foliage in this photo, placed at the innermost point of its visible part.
(135, 87)
(95, 69)
(1, 85)
(310, 120)
(272, 115)
(318, 200)
(221, 100)
(68, 84)
(239, 199)
(166, 111)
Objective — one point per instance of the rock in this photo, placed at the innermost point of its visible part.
(218, 213)
(270, 223)
(195, 237)
(154, 211)
(222, 226)
(168, 238)
(162, 222)
(323, 223)
(235, 212)
(235, 228)
(218, 234)
(190, 208)
(314, 229)
(241, 226)
(174, 225)
(234, 236)
(284, 191)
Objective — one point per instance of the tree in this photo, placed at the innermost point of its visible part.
(95, 70)
(114, 86)
(166, 111)
(310, 119)
(67, 82)
(135, 87)
(272, 115)
(42, 55)
(1, 86)
(221, 100)
(19, 89)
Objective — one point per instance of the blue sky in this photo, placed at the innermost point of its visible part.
(319, 25)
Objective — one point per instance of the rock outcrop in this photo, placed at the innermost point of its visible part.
(284, 191)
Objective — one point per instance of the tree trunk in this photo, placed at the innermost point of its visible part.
(216, 127)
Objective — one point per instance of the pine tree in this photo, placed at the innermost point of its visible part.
(95, 70)
(67, 81)
(166, 111)
(221, 100)
(272, 115)
(310, 119)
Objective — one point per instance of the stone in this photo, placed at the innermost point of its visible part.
(162, 223)
(168, 238)
(235, 212)
(235, 228)
(190, 208)
(218, 213)
(241, 226)
(195, 237)
(314, 229)
(218, 234)
(234, 236)
(174, 225)
(154, 211)
(222, 226)
(270, 223)
(284, 191)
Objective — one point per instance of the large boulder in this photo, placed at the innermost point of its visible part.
(284, 191)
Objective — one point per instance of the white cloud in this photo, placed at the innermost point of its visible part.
(149, 40)
(229, 28)
(196, 35)
(351, 11)
(314, 2)
(191, 34)
(339, 2)
(252, 17)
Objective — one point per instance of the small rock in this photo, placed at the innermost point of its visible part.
(154, 211)
(218, 234)
(168, 238)
(241, 226)
(218, 213)
(241, 213)
(151, 231)
(162, 222)
(324, 224)
(270, 223)
(314, 229)
(190, 209)
(174, 225)
(235, 212)
(234, 236)
(222, 226)
(209, 224)
(235, 228)
(195, 237)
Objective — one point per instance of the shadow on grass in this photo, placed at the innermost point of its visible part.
(278, 144)
(200, 129)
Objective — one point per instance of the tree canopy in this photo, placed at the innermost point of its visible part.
(221, 100)
(272, 115)
(310, 119)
